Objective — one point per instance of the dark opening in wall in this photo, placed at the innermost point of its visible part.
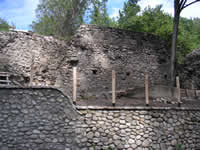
(45, 70)
(3, 80)
(94, 71)
(162, 60)
(74, 61)
(26, 79)
(128, 73)
(165, 76)
(2, 77)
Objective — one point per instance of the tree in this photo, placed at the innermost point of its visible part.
(151, 20)
(156, 21)
(99, 14)
(59, 17)
(188, 37)
(179, 5)
(129, 14)
(4, 26)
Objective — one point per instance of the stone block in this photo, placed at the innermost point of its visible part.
(190, 93)
(198, 93)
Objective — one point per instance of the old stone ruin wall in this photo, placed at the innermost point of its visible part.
(95, 51)
(45, 119)
(99, 50)
(27, 57)
(189, 72)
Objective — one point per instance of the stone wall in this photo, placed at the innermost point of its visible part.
(45, 119)
(36, 119)
(99, 50)
(96, 51)
(21, 52)
(190, 73)
(149, 129)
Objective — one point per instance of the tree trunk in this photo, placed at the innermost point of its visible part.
(174, 46)
(179, 5)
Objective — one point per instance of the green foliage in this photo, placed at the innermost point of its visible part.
(179, 147)
(152, 20)
(188, 37)
(156, 21)
(4, 26)
(94, 148)
(128, 16)
(59, 17)
(99, 14)
(62, 17)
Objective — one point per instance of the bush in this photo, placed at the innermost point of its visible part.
(4, 26)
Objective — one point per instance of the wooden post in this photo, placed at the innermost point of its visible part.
(7, 79)
(32, 70)
(195, 93)
(178, 91)
(74, 84)
(113, 87)
(147, 89)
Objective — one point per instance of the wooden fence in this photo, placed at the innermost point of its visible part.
(114, 90)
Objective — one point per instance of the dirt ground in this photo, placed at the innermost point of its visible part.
(158, 102)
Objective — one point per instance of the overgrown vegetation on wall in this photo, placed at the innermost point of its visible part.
(156, 21)
(59, 17)
(62, 18)
(4, 26)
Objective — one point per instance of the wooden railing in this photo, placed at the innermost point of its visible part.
(4, 78)
(180, 92)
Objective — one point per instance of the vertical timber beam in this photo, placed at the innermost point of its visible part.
(31, 71)
(178, 91)
(147, 89)
(74, 84)
(113, 87)
(7, 79)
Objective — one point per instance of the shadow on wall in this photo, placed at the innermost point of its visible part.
(154, 92)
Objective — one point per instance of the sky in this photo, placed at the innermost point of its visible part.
(21, 13)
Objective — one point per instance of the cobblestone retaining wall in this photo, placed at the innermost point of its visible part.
(36, 119)
(143, 129)
(45, 119)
